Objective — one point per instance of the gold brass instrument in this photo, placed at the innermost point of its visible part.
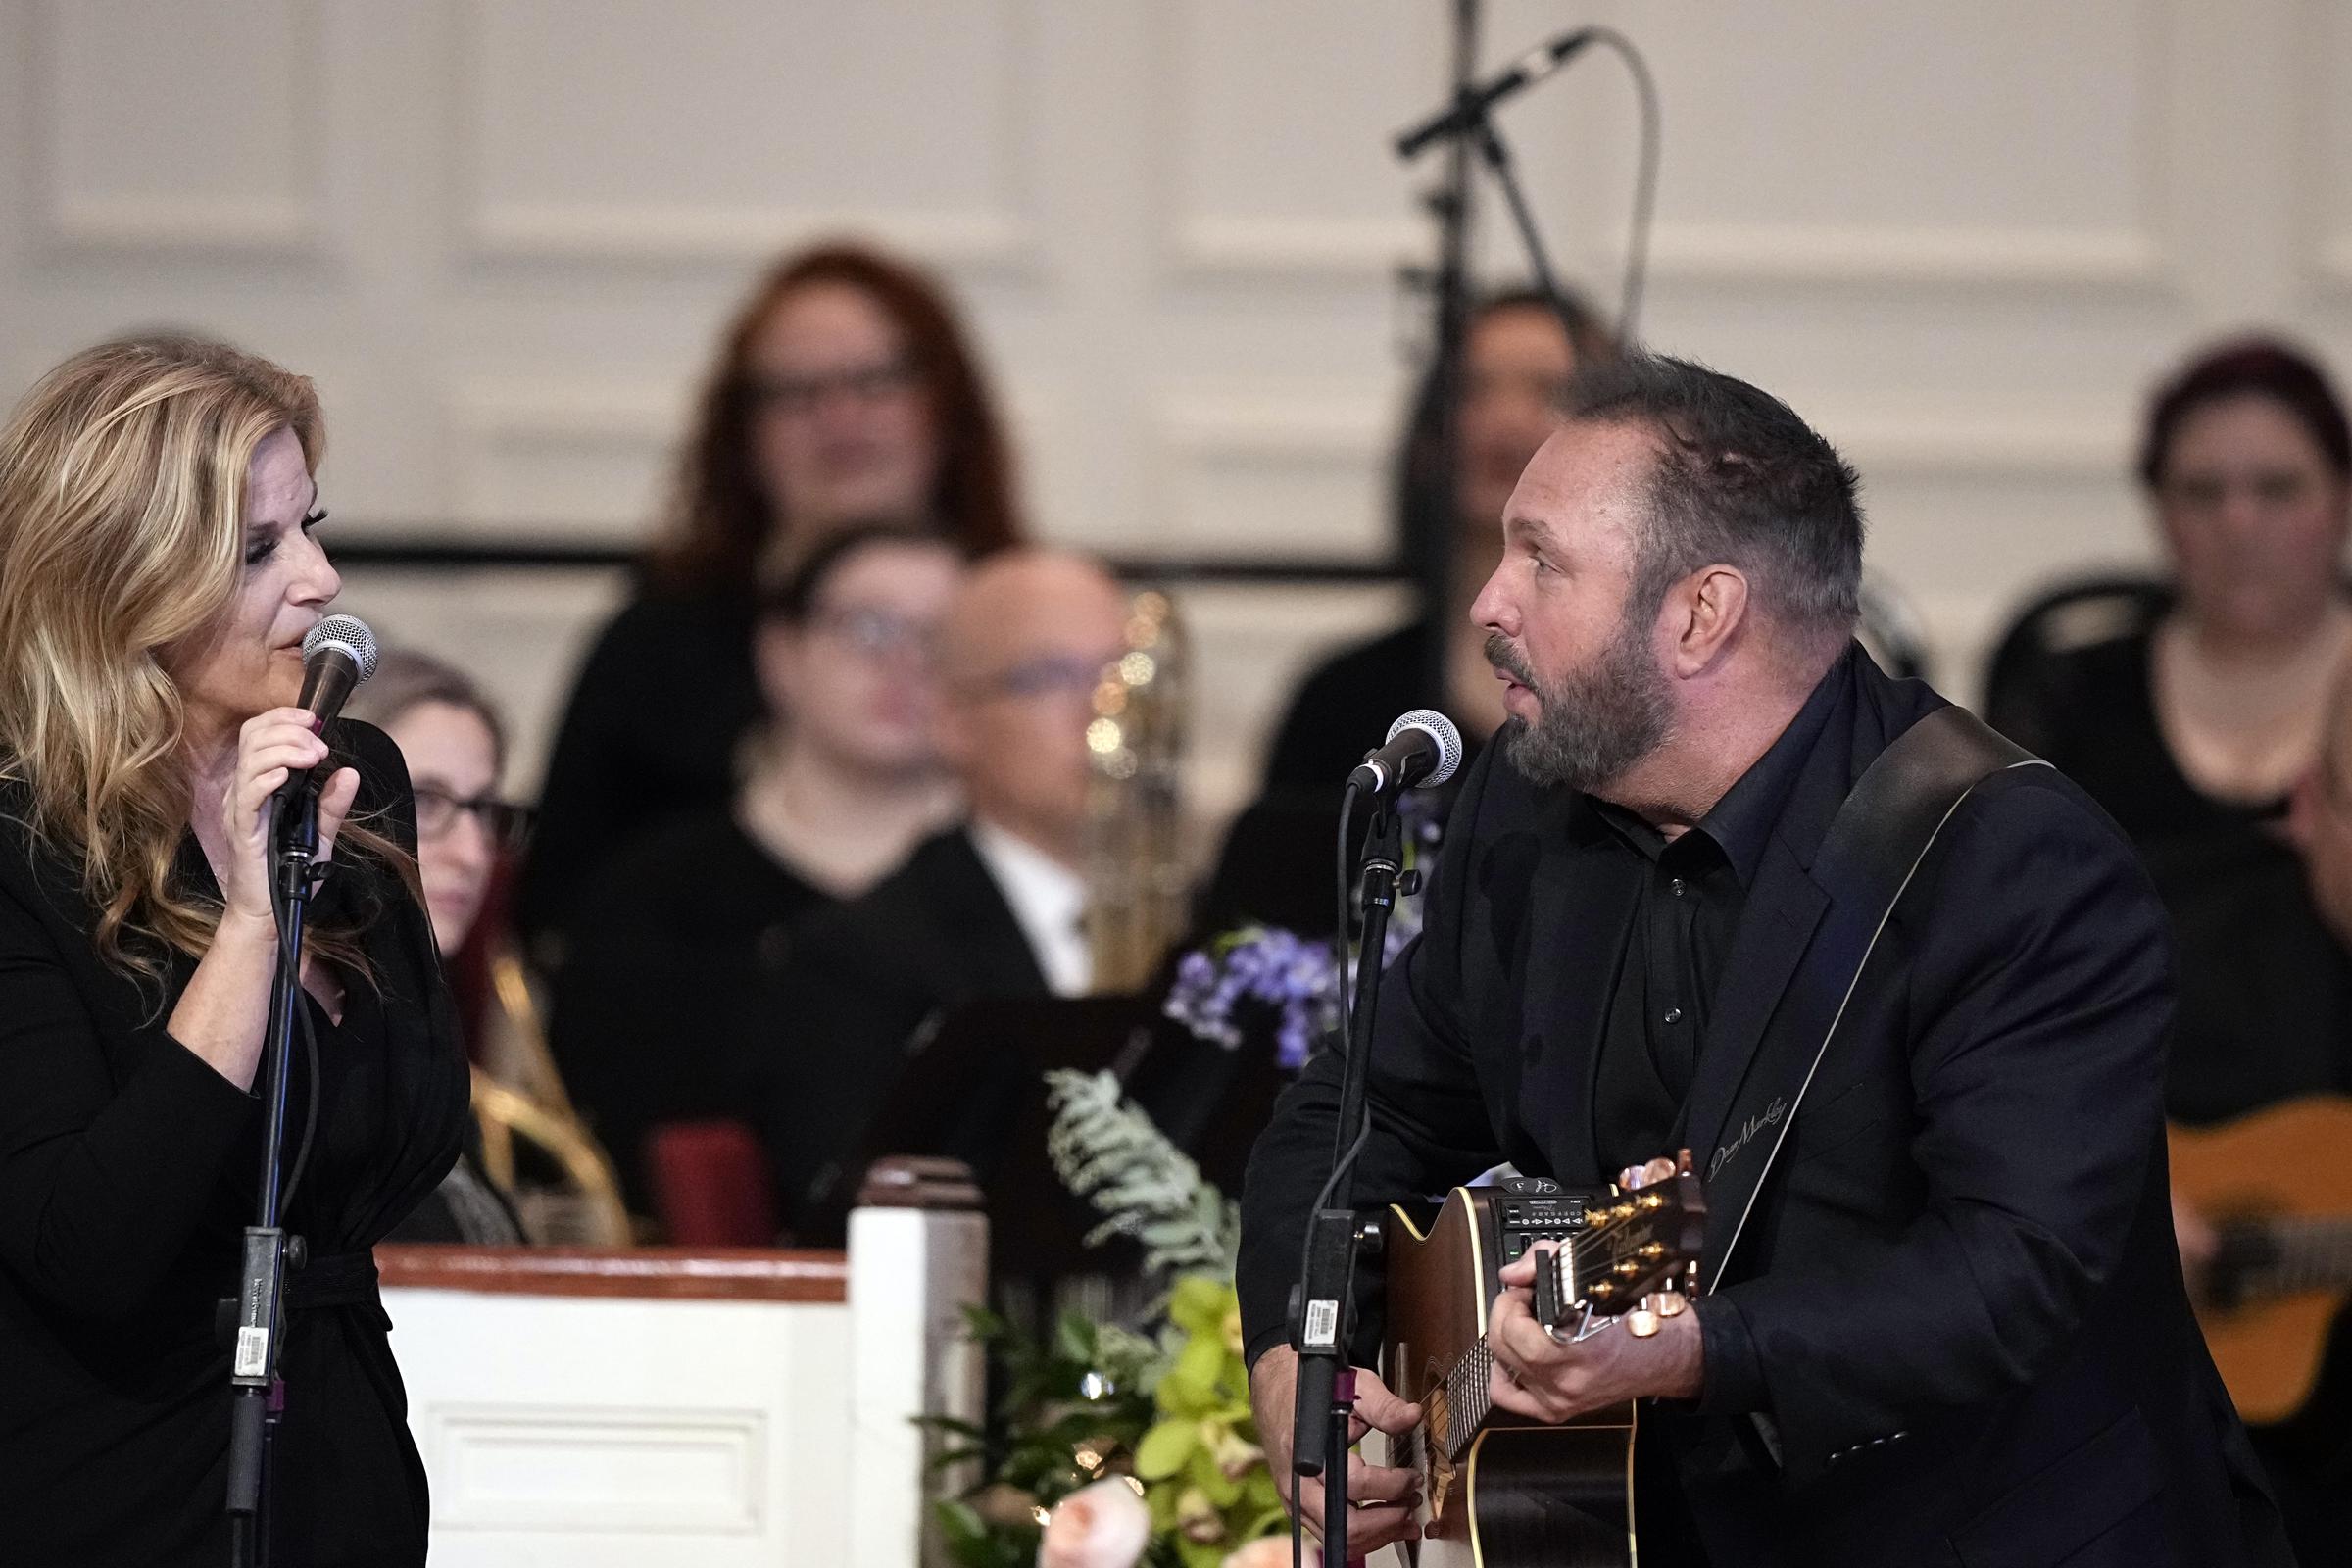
(520, 1102)
(1138, 889)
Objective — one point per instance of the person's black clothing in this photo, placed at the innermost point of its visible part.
(128, 1169)
(2090, 712)
(651, 731)
(2266, 990)
(2266, 1017)
(676, 950)
(1345, 706)
(1686, 914)
(861, 979)
(1954, 1326)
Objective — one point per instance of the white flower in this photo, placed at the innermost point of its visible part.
(1102, 1526)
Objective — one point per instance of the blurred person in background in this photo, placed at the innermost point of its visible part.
(2191, 722)
(681, 936)
(846, 391)
(2203, 719)
(2309, 1453)
(1518, 355)
(455, 748)
(991, 907)
(157, 511)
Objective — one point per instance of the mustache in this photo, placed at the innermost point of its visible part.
(1507, 658)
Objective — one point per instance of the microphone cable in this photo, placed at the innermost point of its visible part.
(1646, 178)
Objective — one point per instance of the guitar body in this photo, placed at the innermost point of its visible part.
(2291, 1162)
(1523, 1496)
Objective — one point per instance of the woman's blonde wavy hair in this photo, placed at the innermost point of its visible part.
(123, 479)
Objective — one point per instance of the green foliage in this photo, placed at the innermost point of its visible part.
(1092, 1399)
(1109, 1153)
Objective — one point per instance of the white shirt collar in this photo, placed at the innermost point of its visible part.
(1047, 899)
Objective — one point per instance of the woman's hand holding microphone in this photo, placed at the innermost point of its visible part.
(224, 1014)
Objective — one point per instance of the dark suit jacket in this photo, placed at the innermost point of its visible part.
(1954, 1329)
(863, 977)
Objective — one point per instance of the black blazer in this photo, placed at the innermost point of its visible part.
(1954, 1329)
(128, 1169)
(651, 730)
(863, 977)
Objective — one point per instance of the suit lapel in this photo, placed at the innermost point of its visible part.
(1788, 905)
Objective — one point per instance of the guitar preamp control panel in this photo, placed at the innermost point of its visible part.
(1536, 1209)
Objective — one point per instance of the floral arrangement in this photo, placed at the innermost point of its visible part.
(1121, 1449)
(1266, 967)
(1118, 1448)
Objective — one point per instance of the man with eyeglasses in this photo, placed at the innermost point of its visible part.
(993, 907)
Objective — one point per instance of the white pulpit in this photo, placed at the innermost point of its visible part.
(596, 1409)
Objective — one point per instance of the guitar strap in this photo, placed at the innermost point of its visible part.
(1875, 843)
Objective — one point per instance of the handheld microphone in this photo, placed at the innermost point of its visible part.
(1467, 110)
(1423, 748)
(338, 653)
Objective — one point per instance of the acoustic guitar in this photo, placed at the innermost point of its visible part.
(1499, 1490)
(2276, 1185)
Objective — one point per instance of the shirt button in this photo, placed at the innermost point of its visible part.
(1676, 886)
(1674, 1015)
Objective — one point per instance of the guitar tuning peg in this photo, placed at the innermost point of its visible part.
(1641, 1322)
(1668, 1302)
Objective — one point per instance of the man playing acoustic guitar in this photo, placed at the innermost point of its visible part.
(1943, 1317)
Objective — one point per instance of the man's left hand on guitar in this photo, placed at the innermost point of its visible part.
(1538, 1376)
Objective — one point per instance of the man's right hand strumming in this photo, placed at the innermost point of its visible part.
(1381, 1497)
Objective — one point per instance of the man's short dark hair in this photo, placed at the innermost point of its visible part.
(1738, 479)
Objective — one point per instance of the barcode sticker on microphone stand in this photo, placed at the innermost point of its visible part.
(253, 1351)
(1322, 1325)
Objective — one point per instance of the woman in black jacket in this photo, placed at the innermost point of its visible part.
(157, 577)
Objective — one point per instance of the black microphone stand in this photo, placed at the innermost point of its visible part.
(1323, 1314)
(257, 1397)
(1438, 499)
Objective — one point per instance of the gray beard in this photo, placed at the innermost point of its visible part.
(1598, 721)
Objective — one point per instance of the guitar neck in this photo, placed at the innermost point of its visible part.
(2304, 1253)
(1467, 1383)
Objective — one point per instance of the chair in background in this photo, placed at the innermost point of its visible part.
(711, 1184)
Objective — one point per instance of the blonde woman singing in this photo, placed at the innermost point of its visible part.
(158, 571)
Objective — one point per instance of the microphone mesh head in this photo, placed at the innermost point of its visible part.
(351, 634)
(1441, 730)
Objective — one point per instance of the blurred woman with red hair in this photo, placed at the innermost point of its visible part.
(846, 391)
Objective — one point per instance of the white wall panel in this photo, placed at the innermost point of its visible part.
(619, 130)
(502, 233)
(164, 129)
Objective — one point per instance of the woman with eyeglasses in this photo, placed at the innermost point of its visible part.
(680, 937)
(455, 746)
(158, 505)
(845, 391)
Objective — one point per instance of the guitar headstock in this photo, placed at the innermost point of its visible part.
(1637, 1253)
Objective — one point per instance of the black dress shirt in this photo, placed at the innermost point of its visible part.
(1693, 894)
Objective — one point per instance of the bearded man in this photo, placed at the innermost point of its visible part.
(1950, 1327)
